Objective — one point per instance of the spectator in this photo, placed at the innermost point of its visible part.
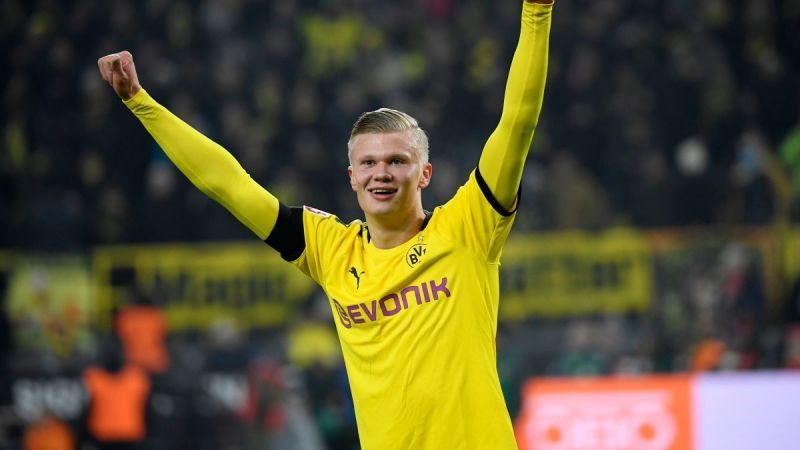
(142, 328)
(49, 433)
(118, 396)
(722, 67)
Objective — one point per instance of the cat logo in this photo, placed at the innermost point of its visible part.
(354, 272)
(415, 253)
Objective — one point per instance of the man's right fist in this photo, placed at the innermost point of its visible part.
(118, 70)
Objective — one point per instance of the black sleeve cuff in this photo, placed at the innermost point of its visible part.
(288, 237)
(491, 198)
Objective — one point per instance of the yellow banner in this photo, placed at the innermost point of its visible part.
(543, 275)
(201, 285)
(572, 272)
(550, 274)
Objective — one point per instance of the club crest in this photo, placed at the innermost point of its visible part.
(415, 254)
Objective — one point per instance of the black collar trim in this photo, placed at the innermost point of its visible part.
(428, 215)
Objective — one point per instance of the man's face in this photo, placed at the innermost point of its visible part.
(387, 174)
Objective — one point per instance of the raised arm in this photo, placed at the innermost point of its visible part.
(503, 157)
(207, 165)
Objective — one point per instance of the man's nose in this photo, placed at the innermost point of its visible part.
(382, 172)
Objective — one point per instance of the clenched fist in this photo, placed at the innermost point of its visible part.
(118, 70)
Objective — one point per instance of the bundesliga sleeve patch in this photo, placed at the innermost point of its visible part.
(316, 211)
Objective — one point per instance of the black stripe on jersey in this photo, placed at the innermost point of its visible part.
(491, 198)
(288, 237)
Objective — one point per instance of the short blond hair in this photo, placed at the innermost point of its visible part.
(386, 120)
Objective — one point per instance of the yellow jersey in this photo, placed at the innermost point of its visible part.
(417, 323)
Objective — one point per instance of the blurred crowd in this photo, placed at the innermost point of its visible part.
(658, 113)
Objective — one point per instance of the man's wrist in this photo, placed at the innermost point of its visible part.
(135, 98)
(132, 93)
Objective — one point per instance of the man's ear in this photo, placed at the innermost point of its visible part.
(425, 178)
(353, 184)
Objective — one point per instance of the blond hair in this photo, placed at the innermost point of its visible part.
(387, 120)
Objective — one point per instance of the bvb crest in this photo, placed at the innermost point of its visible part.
(415, 253)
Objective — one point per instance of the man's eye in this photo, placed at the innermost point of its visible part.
(397, 161)
(368, 162)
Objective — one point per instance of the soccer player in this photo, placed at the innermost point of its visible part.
(414, 294)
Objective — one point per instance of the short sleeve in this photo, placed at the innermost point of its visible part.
(324, 236)
(474, 218)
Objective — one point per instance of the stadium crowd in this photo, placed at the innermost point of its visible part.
(658, 113)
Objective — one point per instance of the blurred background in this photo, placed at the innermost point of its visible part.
(659, 231)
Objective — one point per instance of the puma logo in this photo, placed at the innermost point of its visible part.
(356, 274)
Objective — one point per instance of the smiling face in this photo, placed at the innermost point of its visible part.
(387, 173)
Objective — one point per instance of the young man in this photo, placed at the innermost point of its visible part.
(414, 294)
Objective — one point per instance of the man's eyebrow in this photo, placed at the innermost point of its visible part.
(403, 154)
